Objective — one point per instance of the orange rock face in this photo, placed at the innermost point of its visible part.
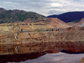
(23, 35)
(57, 23)
(50, 41)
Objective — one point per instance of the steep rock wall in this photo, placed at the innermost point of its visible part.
(52, 41)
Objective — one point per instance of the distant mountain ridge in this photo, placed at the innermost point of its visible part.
(69, 16)
(10, 16)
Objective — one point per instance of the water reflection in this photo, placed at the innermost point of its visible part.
(19, 57)
(56, 58)
(60, 57)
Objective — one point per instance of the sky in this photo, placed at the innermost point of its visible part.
(44, 7)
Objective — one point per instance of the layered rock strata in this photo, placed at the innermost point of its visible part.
(48, 42)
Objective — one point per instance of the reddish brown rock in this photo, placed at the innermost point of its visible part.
(57, 23)
(51, 41)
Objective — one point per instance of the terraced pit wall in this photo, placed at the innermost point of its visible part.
(32, 42)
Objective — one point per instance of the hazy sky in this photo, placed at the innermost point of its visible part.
(44, 7)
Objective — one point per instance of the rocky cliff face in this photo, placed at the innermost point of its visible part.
(51, 41)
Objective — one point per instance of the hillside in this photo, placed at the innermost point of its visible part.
(80, 23)
(57, 23)
(10, 16)
(69, 16)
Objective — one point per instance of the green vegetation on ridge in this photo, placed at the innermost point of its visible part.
(10, 16)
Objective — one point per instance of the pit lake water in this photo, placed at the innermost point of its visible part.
(60, 57)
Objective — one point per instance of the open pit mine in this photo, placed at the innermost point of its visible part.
(27, 38)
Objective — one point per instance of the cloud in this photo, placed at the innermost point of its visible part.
(45, 7)
(56, 5)
(54, 12)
